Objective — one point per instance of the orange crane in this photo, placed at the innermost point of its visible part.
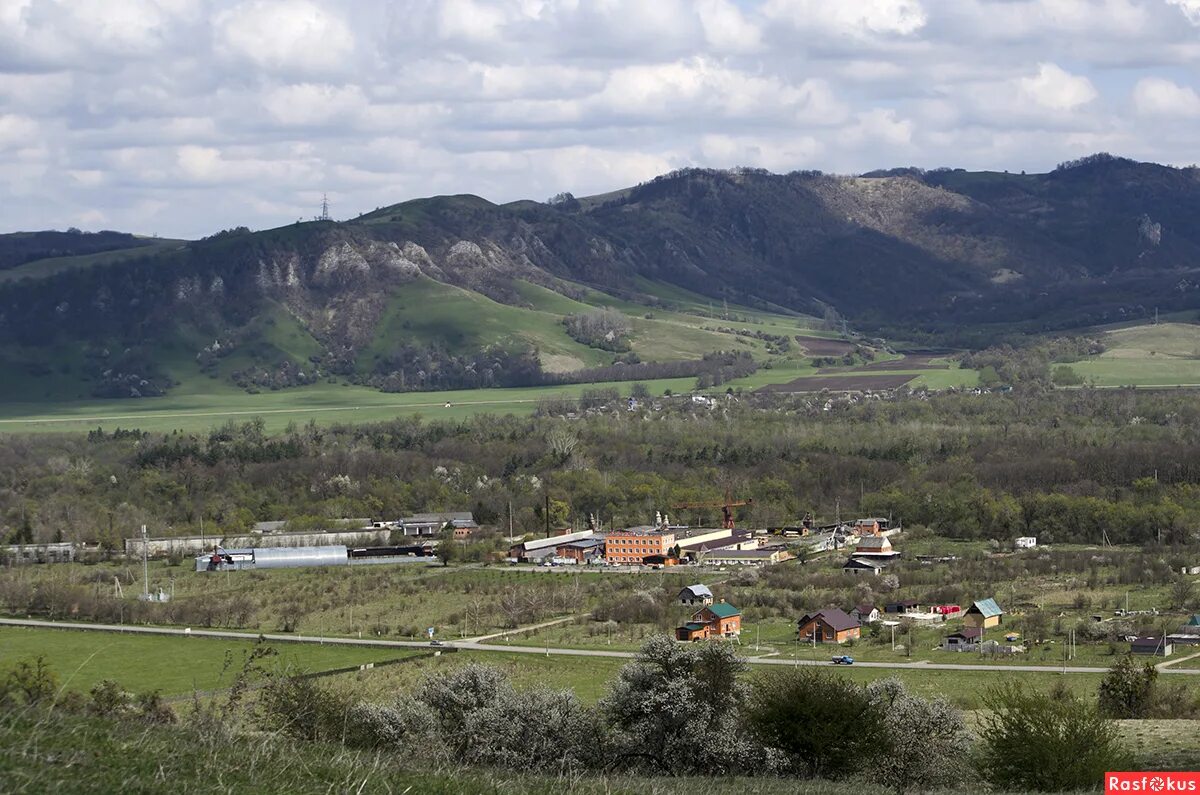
(726, 507)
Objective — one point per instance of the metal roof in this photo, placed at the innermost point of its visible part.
(834, 617)
(556, 541)
(723, 610)
(986, 608)
(698, 590)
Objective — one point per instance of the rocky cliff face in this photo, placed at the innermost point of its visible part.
(1097, 241)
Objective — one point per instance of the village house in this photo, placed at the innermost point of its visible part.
(865, 613)
(984, 613)
(719, 620)
(1026, 542)
(966, 640)
(875, 547)
(693, 595)
(632, 547)
(870, 527)
(828, 626)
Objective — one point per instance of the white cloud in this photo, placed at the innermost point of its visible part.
(852, 17)
(1190, 9)
(285, 36)
(195, 115)
(309, 104)
(1156, 96)
(726, 28)
(1057, 89)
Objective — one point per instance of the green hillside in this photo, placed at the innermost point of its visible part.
(1163, 354)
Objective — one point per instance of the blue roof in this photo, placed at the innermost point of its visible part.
(986, 608)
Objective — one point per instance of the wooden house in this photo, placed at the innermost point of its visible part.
(828, 626)
(983, 614)
(695, 595)
(719, 620)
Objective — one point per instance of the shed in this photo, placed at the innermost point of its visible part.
(1157, 647)
(966, 640)
(856, 565)
(984, 613)
(695, 595)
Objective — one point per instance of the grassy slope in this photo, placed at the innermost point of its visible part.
(424, 311)
(1167, 354)
(173, 666)
(39, 269)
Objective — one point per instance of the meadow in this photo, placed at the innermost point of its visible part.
(1163, 354)
(173, 666)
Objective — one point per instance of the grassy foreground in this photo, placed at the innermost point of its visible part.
(54, 752)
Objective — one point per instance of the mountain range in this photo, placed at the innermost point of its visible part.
(450, 281)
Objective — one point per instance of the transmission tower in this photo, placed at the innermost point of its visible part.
(324, 209)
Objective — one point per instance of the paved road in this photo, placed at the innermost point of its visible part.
(542, 650)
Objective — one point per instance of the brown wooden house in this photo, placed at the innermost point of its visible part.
(828, 626)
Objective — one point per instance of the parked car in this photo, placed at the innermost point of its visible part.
(843, 659)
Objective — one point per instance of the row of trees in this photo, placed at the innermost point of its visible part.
(1074, 466)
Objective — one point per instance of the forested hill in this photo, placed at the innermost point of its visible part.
(905, 251)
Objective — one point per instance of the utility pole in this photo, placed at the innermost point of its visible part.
(510, 519)
(145, 565)
(546, 511)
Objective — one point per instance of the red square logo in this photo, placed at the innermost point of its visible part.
(1152, 782)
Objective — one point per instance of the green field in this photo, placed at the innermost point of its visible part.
(321, 403)
(1164, 354)
(171, 665)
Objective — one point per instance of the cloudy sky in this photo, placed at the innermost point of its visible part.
(182, 117)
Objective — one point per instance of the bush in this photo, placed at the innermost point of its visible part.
(677, 709)
(108, 699)
(821, 724)
(1127, 690)
(300, 708)
(926, 744)
(1030, 742)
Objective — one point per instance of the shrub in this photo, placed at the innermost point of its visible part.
(821, 724)
(1127, 690)
(677, 708)
(1030, 742)
(108, 699)
(300, 708)
(926, 742)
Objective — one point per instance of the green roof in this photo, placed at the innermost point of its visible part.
(693, 627)
(1194, 621)
(986, 608)
(723, 610)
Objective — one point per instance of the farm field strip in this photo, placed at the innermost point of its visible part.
(468, 645)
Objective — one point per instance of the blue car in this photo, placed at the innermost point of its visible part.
(843, 659)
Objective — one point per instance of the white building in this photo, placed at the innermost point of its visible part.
(1026, 542)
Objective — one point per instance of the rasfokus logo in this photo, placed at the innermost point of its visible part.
(1154, 782)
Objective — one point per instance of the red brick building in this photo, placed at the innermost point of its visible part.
(720, 620)
(632, 547)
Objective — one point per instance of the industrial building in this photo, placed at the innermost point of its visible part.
(303, 557)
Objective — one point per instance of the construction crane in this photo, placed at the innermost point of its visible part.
(726, 507)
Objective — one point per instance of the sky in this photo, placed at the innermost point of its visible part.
(183, 117)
